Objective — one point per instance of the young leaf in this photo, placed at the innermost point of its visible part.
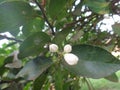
(14, 14)
(34, 44)
(94, 62)
(34, 68)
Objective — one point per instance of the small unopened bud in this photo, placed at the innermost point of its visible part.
(53, 48)
(71, 59)
(67, 48)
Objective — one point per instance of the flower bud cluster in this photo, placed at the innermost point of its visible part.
(70, 58)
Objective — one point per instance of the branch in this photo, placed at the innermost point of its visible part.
(9, 38)
(45, 17)
(71, 24)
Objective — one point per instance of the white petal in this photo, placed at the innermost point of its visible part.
(71, 59)
(53, 48)
(67, 48)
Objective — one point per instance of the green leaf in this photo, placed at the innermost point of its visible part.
(1, 1)
(32, 26)
(77, 10)
(38, 83)
(13, 86)
(116, 28)
(59, 79)
(94, 62)
(1, 60)
(56, 8)
(28, 86)
(14, 14)
(113, 77)
(98, 6)
(61, 36)
(9, 59)
(34, 68)
(34, 44)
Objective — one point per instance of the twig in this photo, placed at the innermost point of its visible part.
(45, 17)
(9, 38)
(71, 24)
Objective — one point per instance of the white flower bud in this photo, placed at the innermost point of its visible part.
(53, 48)
(71, 59)
(67, 48)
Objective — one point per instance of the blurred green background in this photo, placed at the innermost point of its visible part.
(103, 84)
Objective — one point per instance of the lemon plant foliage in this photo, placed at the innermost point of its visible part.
(57, 44)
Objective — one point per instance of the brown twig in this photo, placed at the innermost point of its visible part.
(44, 16)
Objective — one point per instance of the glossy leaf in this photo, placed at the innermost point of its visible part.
(34, 68)
(116, 28)
(98, 6)
(94, 62)
(14, 14)
(34, 44)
